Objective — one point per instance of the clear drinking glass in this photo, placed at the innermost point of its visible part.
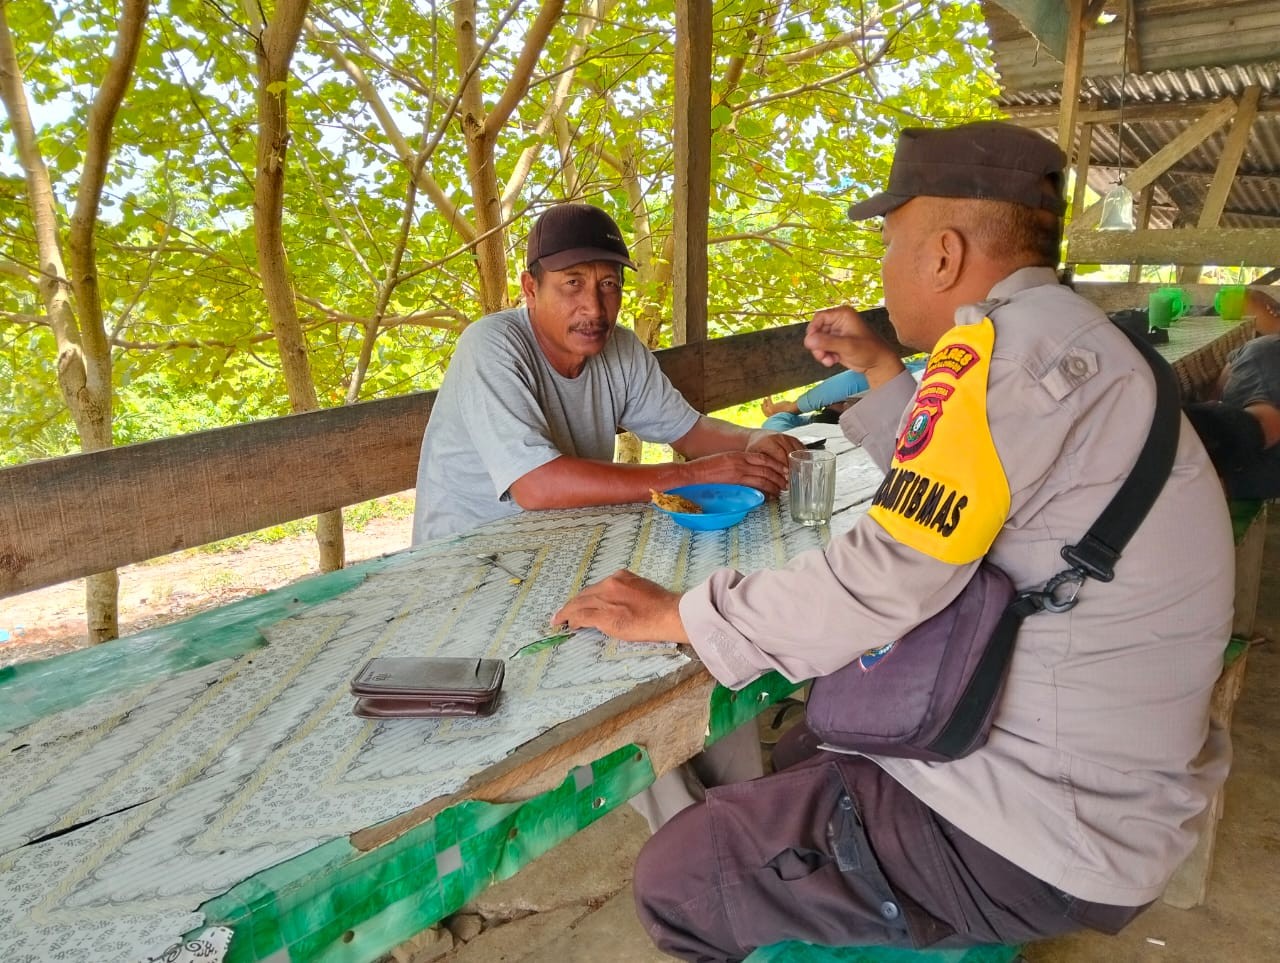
(812, 486)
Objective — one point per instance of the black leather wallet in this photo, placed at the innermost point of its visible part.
(423, 687)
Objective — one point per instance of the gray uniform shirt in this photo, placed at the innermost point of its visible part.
(1101, 761)
(503, 411)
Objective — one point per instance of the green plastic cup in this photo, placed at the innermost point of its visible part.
(1164, 306)
(1229, 302)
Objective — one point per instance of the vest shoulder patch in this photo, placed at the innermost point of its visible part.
(946, 493)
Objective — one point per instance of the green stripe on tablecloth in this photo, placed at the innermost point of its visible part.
(335, 904)
(1235, 648)
(1243, 512)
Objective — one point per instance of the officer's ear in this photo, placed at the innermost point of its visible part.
(948, 249)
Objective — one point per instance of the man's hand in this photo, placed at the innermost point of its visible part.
(626, 607)
(841, 336)
(774, 444)
(757, 469)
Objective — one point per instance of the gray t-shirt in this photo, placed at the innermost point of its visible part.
(504, 411)
(1255, 373)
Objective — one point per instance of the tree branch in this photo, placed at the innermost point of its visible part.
(387, 287)
(26, 320)
(555, 109)
(518, 85)
(412, 160)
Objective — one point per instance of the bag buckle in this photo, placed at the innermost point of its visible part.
(1059, 594)
(1094, 556)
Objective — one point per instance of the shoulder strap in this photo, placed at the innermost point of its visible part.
(1097, 552)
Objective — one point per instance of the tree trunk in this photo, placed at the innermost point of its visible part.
(490, 251)
(84, 351)
(481, 130)
(277, 41)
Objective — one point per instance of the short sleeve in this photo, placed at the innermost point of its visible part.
(498, 407)
(654, 409)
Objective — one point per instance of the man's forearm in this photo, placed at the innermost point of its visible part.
(580, 482)
(709, 436)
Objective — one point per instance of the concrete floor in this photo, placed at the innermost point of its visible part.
(574, 904)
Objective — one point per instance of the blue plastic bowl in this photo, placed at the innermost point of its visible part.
(722, 505)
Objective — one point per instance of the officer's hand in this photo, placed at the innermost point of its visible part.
(627, 607)
(841, 336)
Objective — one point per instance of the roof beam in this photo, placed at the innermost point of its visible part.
(1236, 246)
(1228, 163)
(1167, 156)
(1039, 116)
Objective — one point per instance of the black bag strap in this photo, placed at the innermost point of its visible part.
(1101, 546)
(1095, 555)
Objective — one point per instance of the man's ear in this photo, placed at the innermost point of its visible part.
(948, 251)
(528, 287)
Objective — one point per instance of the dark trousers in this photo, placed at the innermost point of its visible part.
(832, 851)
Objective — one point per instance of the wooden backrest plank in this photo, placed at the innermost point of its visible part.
(68, 517)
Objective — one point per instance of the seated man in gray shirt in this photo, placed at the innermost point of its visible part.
(534, 397)
(528, 413)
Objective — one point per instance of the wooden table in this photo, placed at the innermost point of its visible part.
(211, 772)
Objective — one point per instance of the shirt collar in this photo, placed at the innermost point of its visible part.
(1022, 279)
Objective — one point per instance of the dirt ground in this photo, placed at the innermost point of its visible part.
(50, 621)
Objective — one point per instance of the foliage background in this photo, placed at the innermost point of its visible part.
(807, 102)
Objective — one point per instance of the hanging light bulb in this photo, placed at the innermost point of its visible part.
(1117, 203)
(1117, 210)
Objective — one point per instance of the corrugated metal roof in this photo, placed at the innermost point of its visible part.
(1170, 35)
(1192, 53)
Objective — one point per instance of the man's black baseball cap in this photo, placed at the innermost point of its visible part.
(570, 234)
(987, 160)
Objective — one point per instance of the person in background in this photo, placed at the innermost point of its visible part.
(1265, 310)
(827, 400)
(1102, 758)
(1240, 428)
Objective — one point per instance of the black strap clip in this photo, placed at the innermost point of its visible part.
(1059, 594)
(1095, 557)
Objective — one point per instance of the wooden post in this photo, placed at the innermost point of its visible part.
(1082, 169)
(1072, 71)
(692, 195)
(1132, 51)
(1144, 218)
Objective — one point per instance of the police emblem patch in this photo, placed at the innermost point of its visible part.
(872, 657)
(924, 419)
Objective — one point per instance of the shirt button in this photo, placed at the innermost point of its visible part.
(889, 910)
